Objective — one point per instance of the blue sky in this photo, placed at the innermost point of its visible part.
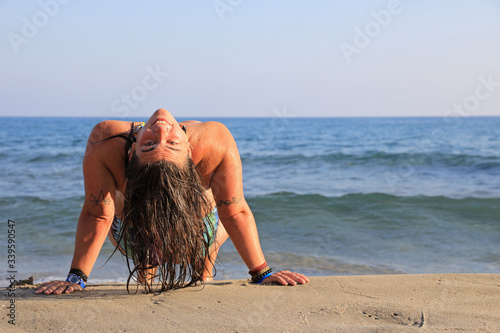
(237, 58)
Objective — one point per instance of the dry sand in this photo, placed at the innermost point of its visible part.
(381, 303)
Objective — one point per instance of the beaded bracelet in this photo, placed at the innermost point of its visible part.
(265, 276)
(79, 273)
(258, 278)
(260, 272)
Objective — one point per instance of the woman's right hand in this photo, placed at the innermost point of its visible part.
(57, 287)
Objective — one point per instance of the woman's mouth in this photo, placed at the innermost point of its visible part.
(162, 121)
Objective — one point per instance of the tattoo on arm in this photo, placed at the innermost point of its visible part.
(232, 201)
(95, 201)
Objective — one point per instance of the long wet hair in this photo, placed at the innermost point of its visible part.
(162, 225)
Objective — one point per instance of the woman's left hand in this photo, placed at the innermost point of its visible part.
(286, 278)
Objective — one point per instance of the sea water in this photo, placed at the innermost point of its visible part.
(331, 196)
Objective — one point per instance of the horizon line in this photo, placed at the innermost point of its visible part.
(261, 117)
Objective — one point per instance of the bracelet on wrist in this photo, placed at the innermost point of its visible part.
(73, 278)
(258, 269)
(261, 275)
(265, 276)
(260, 272)
(79, 273)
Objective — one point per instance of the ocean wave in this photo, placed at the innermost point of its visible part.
(377, 158)
(435, 232)
(381, 205)
(51, 157)
(376, 196)
(9, 201)
(6, 200)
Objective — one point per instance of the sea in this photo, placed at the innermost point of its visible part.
(330, 196)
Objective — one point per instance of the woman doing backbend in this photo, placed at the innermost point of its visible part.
(167, 194)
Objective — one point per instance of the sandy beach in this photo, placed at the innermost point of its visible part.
(379, 303)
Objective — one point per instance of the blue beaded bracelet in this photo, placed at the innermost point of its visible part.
(265, 276)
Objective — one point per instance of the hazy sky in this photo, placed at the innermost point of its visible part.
(206, 58)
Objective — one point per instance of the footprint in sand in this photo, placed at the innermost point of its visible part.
(395, 317)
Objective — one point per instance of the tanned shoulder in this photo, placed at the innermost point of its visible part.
(211, 143)
(107, 128)
(104, 130)
(219, 133)
(211, 138)
(221, 140)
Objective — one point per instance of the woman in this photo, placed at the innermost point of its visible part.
(153, 188)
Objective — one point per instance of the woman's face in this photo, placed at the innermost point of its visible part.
(161, 138)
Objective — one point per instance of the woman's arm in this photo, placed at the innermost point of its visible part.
(235, 214)
(95, 219)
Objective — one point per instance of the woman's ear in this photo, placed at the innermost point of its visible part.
(131, 151)
(190, 148)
